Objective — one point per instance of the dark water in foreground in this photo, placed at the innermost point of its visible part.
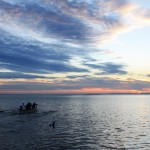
(83, 122)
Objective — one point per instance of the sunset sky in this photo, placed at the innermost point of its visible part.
(74, 46)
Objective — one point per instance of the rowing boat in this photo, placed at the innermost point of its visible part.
(24, 111)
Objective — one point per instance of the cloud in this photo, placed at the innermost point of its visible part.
(64, 21)
(145, 15)
(139, 85)
(59, 36)
(36, 21)
(18, 75)
(68, 21)
(77, 76)
(148, 75)
(109, 68)
(83, 83)
(35, 58)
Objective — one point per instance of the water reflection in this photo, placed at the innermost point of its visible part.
(82, 122)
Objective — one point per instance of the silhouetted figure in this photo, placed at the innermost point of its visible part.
(53, 124)
(21, 107)
(28, 106)
(34, 106)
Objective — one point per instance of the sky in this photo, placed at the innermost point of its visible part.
(74, 46)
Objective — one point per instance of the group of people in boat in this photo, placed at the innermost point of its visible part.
(28, 106)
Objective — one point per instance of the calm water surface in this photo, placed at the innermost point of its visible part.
(83, 122)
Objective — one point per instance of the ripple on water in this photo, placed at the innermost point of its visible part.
(82, 122)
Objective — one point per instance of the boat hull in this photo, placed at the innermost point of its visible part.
(23, 111)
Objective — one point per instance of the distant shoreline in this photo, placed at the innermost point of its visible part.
(75, 94)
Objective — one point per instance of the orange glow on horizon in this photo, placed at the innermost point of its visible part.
(75, 91)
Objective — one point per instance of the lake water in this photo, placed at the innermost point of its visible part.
(83, 122)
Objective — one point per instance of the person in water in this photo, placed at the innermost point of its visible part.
(53, 124)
